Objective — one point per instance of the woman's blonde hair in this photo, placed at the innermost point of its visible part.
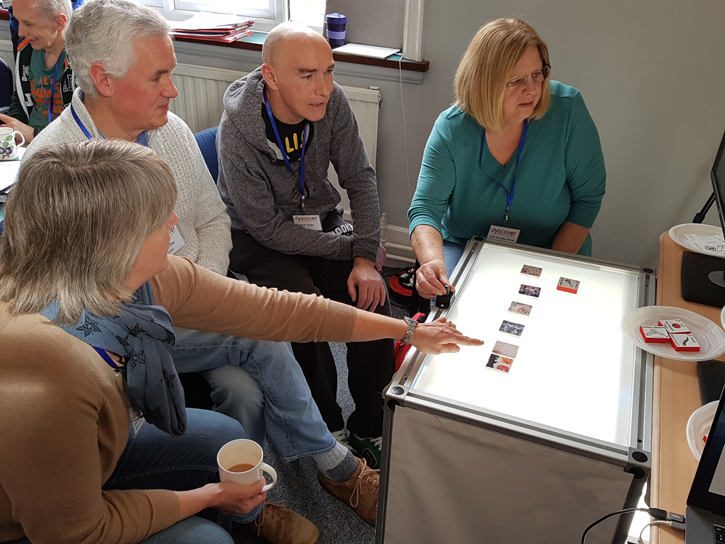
(486, 66)
(76, 222)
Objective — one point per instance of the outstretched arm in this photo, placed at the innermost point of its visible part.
(439, 336)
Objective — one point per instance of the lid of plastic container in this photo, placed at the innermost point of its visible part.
(336, 18)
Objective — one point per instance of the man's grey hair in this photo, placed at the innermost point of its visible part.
(105, 32)
(52, 8)
(76, 222)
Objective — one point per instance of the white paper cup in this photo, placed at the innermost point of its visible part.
(240, 452)
(8, 149)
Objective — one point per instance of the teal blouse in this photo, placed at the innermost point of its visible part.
(560, 176)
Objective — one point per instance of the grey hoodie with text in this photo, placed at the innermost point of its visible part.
(262, 195)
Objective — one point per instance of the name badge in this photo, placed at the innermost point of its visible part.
(177, 242)
(310, 222)
(137, 420)
(503, 234)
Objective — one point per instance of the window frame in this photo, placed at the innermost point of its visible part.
(278, 12)
(274, 13)
(265, 18)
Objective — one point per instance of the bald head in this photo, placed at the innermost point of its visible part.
(283, 36)
(297, 70)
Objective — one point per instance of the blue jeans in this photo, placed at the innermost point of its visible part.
(156, 460)
(452, 253)
(260, 384)
(193, 530)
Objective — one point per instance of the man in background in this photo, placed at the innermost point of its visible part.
(43, 77)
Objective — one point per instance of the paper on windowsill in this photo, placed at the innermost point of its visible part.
(206, 20)
(366, 50)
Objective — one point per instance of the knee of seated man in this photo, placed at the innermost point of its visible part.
(232, 387)
(213, 428)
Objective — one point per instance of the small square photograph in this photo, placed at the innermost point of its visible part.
(529, 290)
(511, 328)
(531, 270)
(502, 364)
(684, 342)
(519, 308)
(568, 285)
(652, 334)
(507, 350)
(674, 326)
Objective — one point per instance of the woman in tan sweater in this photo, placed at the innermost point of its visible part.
(84, 250)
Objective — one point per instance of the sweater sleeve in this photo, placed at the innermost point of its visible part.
(248, 190)
(51, 460)
(357, 177)
(436, 180)
(15, 110)
(205, 212)
(198, 299)
(585, 171)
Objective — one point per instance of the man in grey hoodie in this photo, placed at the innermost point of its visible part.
(282, 126)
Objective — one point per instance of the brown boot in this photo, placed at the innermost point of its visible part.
(360, 491)
(282, 526)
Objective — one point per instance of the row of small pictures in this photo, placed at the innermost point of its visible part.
(504, 353)
(502, 361)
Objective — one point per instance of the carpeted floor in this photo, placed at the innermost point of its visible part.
(298, 486)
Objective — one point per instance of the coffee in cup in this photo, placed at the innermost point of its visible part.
(241, 461)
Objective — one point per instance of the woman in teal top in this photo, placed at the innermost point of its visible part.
(535, 174)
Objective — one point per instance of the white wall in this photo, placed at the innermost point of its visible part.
(652, 74)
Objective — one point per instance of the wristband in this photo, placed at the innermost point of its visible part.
(412, 324)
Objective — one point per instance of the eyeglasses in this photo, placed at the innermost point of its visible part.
(537, 77)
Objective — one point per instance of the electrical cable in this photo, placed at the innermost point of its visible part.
(619, 513)
(676, 521)
(640, 540)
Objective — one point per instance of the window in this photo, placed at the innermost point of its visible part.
(407, 24)
(267, 13)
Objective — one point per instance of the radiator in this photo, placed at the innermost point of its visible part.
(200, 104)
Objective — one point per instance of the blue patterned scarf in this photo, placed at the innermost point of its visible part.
(144, 337)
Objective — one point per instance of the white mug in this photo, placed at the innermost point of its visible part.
(8, 148)
(241, 461)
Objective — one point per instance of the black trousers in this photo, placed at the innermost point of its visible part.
(370, 364)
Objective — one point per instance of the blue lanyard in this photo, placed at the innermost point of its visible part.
(107, 358)
(142, 138)
(52, 90)
(284, 151)
(518, 158)
(80, 123)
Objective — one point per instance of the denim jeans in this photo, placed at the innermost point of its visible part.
(193, 530)
(260, 384)
(154, 459)
(452, 253)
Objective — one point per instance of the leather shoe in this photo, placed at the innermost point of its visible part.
(360, 491)
(280, 525)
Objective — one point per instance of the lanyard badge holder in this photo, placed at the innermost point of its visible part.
(310, 222)
(284, 152)
(505, 232)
